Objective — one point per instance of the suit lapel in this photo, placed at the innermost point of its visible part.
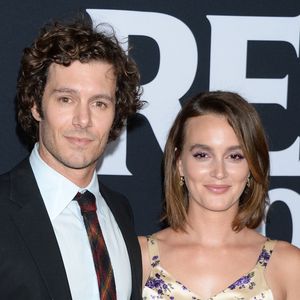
(120, 213)
(37, 232)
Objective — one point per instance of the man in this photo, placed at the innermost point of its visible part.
(76, 89)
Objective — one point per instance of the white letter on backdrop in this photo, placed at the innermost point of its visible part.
(177, 69)
(229, 38)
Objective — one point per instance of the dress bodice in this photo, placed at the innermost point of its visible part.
(251, 286)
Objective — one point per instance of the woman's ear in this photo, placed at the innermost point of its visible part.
(179, 166)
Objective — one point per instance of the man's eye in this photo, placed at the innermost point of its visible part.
(100, 104)
(64, 99)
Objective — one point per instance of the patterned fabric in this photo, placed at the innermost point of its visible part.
(105, 276)
(251, 286)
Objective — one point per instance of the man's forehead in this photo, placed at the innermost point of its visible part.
(104, 67)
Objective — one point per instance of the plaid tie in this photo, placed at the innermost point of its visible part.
(105, 276)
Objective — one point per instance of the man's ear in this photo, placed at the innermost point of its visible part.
(35, 113)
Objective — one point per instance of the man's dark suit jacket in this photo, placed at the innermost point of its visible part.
(31, 266)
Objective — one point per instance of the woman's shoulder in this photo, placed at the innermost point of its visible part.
(160, 237)
(144, 240)
(287, 253)
(285, 258)
(147, 250)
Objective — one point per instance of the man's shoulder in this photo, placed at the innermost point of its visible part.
(4, 183)
(19, 172)
(21, 166)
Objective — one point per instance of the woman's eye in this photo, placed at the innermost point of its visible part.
(200, 155)
(237, 156)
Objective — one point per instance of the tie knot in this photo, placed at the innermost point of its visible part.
(86, 201)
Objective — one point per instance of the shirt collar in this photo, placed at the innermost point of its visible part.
(57, 191)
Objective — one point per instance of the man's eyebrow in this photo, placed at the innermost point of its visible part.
(65, 90)
(75, 92)
(103, 96)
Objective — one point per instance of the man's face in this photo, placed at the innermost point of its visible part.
(78, 108)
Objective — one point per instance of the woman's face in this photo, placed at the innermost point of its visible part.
(212, 163)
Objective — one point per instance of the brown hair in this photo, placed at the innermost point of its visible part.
(63, 43)
(245, 121)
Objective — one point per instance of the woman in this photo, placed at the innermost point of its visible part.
(216, 182)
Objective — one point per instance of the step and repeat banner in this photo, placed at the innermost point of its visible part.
(181, 48)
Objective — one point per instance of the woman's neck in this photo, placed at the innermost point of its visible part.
(211, 227)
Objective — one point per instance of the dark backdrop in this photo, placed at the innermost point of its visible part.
(181, 47)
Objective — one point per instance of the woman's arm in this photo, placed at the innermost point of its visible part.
(292, 273)
(283, 272)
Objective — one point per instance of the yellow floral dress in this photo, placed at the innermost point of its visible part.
(251, 286)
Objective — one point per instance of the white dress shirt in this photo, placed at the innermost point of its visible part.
(57, 193)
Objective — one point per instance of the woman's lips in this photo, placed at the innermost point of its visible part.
(218, 189)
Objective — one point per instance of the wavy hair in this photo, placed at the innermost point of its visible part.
(63, 43)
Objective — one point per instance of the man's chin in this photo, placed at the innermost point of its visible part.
(77, 164)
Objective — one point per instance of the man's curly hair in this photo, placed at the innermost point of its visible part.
(63, 43)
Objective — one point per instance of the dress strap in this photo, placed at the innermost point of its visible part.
(153, 251)
(266, 253)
